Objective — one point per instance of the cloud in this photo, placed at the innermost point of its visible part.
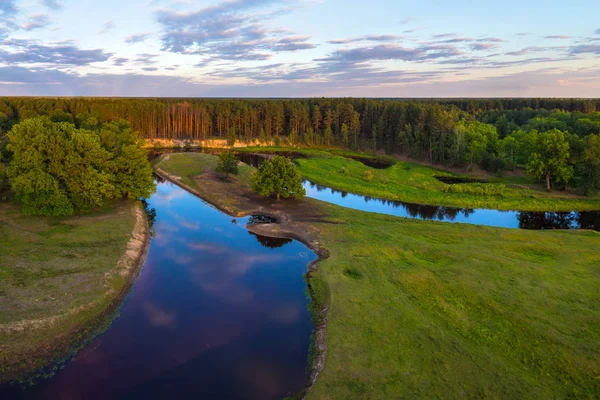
(107, 27)
(120, 61)
(444, 35)
(36, 21)
(8, 8)
(491, 39)
(561, 37)
(8, 13)
(529, 49)
(367, 38)
(588, 48)
(146, 59)
(483, 46)
(60, 54)
(367, 81)
(53, 4)
(406, 21)
(231, 30)
(137, 38)
(597, 32)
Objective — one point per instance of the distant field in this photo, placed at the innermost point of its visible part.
(60, 270)
(421, 309)
(415, 183)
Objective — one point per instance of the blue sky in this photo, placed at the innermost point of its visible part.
(289, 48)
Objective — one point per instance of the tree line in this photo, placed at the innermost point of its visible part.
(495, 133)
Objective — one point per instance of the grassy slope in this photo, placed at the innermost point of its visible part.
(415, 183)
(425, 309)
(189, 165)
(432, 310)
(50, 266)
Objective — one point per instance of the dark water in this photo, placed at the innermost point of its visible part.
(496, 218)
(451, 180)
(216, 313)
(376, 163)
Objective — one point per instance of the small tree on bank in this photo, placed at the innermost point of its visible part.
(278, 176)
(228, 163)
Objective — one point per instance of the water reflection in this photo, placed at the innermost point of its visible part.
(214, 313)
(496, 218)
(271, 242)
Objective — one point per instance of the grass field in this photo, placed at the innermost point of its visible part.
(415, 183)
(55, 276)
(431, 310)
(421, 309)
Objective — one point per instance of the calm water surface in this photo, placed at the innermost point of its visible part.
(497, 218)
(217, 312)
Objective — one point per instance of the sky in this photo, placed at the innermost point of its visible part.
(300, 48)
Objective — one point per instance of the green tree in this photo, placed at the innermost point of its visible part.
(550, 158)
(228, 163)
(591, 159)
(57, 169)
(231, 137)
(292, 137)
(278, 176)
(131, 171)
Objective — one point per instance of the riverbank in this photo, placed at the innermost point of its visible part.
(417, 183)
(62, 278)
(427, 309)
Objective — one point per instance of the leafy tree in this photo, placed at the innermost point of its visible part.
(228, 163)
(57, 169)
(509, 147)
(550, 158)
(231, 137)
(131, 171)
(591, 160)
(278, 176)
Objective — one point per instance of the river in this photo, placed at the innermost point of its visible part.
(216, 312)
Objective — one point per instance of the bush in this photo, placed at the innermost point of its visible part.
(278, 176)
(368, 175)
(476, 190)
(344, 171)
(228, 163)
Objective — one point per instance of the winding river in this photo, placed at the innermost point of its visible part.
(480, 216)
(216, 312)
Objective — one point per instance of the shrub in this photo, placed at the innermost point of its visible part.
(228, 163)
(368, 175)
(344, 171)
